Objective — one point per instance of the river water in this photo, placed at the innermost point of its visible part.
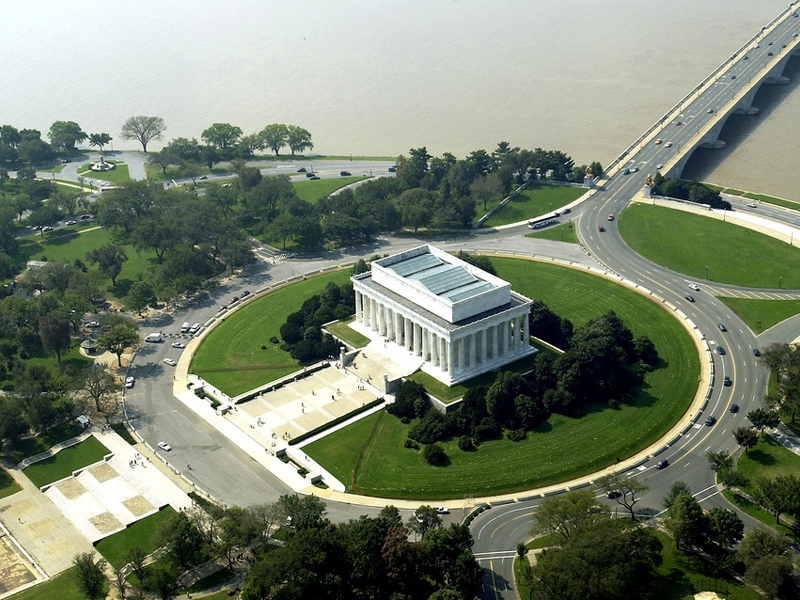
(377, 78)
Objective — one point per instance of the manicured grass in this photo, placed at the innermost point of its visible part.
(71, 244)
(342, 331)
(72, 361)
(115, 547)
(537, 199)
(63, 586)
(689, 243)
(754, 510)
(760, 315)
(562, 448)
(314, 191)
(7, 484)
(64, 462)
(560, 233)
(116, 175)
(767, 459)
(730, 191)
(230, 357)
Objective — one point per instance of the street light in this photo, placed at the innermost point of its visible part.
(706, 272)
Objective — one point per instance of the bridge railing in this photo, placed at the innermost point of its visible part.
(726, 64)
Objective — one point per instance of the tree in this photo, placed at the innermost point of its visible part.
(435, 455)
(306, 512)
(275, 137)
(99, 140)
(484, 189)
(109, 259)
(298, 139)
(140, 296)
(163, 582)
(770, 573)
(182, 540)
(725, 528)
(101, 387)
(759, 542)
(423, 520)
(565, 514)
(222, 136)
(778, 495)
(118, 339)
(90, 575)
(686, 522)
(137, 558)
(763, 419)
(675, 490)
(746, 437)
(719, 461)
(629, 488)
(54, 333)
(143, 129)
(65, 134)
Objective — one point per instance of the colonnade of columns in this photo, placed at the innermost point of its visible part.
(468, 350)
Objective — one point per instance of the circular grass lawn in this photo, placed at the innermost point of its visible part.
(369, 457)
(688, 243)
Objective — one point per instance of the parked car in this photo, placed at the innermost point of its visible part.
(234, 299)
(344, 173)
(129, 382)
(245, 293)
(164, 446)
(442, 510)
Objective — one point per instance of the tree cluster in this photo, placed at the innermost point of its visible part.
(603, 365)
(784, 361)
(302, 332)
(594, 557)
(693, 192)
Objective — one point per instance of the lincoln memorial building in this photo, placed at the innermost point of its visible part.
(458, 320)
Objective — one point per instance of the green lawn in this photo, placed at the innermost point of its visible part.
(64, 462)
(61, 587)
(230, 357)
(117, 175)
(7, 484)
(342, 331)
(560, 233)
(767, 459)
(537, 199)
(72, 361)
(31, 446)
(689, 243)
(562, 448)
(70, 244)
(760, 315)
(314, 191)
(115, 547)
(772, 200)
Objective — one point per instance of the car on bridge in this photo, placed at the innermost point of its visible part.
(695, 287)
(689, 298)
(678, 123)
(720, 350)
(734, 408)
(659, 141)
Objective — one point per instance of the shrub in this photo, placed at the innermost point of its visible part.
(274, 340)
(465, 443)
(430, 429)
(263, 346)
(434, 455)
(411, 444)
(517, 435)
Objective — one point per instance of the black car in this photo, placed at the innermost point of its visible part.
(710, 421)
(245, 293)
(314, 177)
(722, 327)
(310, 175)
(734, 408)
(662, 464)
(344, 173)
(611, 494)
(392, 169)
(301, 170)
(756, 352)
(727, 381)
(689, 298)
(720, 350)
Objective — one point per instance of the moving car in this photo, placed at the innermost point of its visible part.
(727, 381)
(309, 174)
(344, 173)
(153, 337)
(170, 361)
(659, 141)
(689, 298)
(721, 327)
(695, 287)
(442, 510)
(601, 229)
(710, 421)
(392, 169)
(178, 345)
(313, 177)
(660, 166)
(635, 170)
(129, 382)
(720, 350)
(626, 171)
(752, 204)
(677, 123)
(756, 352)
(610, 217)
(164, 446)
(668, 145)
(613, 494)
(301, 170)
(734, 408)
(662, 464)
(710, 110)
(71, 222)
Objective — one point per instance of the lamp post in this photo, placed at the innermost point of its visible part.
(706, 272)
(780, 281)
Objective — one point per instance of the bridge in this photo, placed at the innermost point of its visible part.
(698, 118)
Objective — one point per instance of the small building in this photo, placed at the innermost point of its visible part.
(460, 320)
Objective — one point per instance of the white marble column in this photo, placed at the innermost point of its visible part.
(526, 332)
(504, 338)
(358, 307)
(484, 348)
(472, 354)
(398, 328)
(434, 346)
(425, 344)
(450, 366)
(443, 354)
(409, 326)
(417, 339)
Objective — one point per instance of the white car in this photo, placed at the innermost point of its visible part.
(178, 345)
(164, 446)
(442, 510)
(71, 222)
(170, 361)
(752, 204)
(695, 287)
(129, 382)
(668, 145)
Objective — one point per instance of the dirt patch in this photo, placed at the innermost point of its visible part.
(138, 505)
(71, 488)
(104, 472)
(41, 528)
(105, 523)
(15, 570)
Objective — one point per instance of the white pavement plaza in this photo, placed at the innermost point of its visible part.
(106, 497)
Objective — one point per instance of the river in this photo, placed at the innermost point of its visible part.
(377, 78)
